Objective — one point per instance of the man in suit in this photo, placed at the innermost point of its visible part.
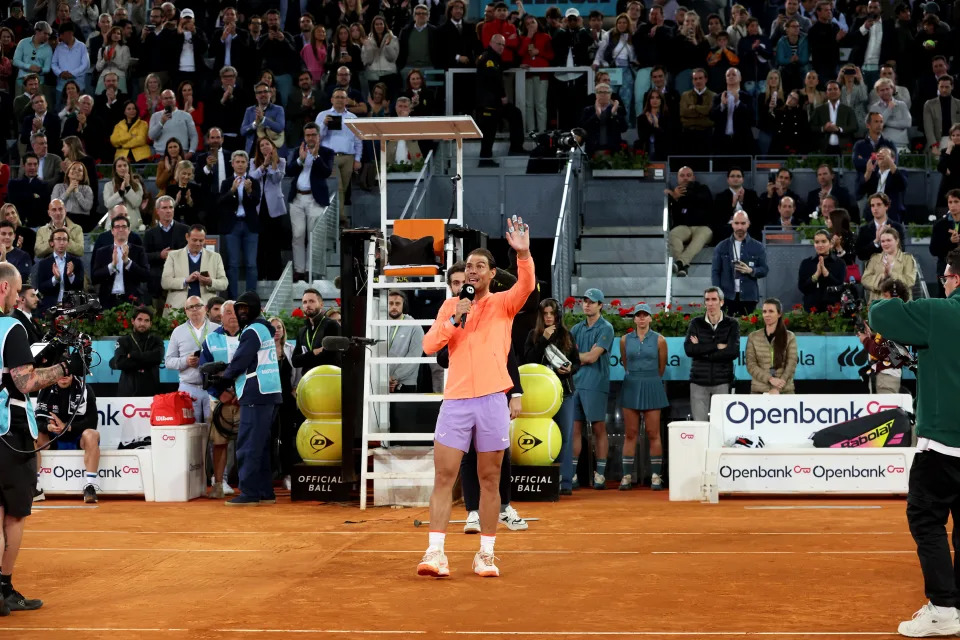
(867, 147)
(696, 122)
(40, 120)
(213, 167)
(120, 268)
(22, 104)
(58, 272)
(826, 178)
(231, 45)
(262, 119)
(868, 236)
(422, 54)
(883, 176)
(162, 238)
(308, 192)
(29, 193)
(106, 239)
(91, 130)
(733, 117)
(873, 41)
(27, 303)
(193, 271)
(302, 107)
(732, 199)
(8, 253)
(240, 225)
(571, 48)
(48, 164)
(226, 107)
(833, 123)
(738, 262)
(108, 106)
(939, 115)
(458, 46)
(777, 189)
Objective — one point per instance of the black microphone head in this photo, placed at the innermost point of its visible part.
(467, 292)
(336, 343)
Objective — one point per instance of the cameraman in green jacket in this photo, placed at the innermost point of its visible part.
(930, 325)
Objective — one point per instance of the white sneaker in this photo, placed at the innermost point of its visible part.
(472, 524)
(227, 489)
(656, 482)
(434, 563)
(484, 565)
(287, 483)
(599, 481)
(512, 519)
(927, 622)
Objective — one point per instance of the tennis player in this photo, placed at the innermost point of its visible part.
(477, 334)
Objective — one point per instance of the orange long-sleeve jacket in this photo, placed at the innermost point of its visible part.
(478, 351)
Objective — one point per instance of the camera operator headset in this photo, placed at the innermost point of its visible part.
(885, 376)
(18, 430)
(930, 326)
(257, 386)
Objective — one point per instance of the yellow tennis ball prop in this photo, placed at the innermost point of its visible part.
(318, 392)
(319, 442)
(534, 441)
(542, 391)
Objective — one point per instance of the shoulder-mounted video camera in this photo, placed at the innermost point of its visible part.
(64, 334)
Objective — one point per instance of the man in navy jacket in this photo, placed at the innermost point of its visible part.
(308, 191)
(58, 272)
(239, 222)
(738, 263)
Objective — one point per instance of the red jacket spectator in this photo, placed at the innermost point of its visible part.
(540, 42)
(509, 33)
(4, 181)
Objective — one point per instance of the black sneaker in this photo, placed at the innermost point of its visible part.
(16, 602)
(38, 495)
(4, 608)
(89, 494)
(682, 270)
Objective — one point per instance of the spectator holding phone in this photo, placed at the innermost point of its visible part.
(172, 122)
(347, 147)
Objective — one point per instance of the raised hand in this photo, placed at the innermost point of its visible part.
(518, 236)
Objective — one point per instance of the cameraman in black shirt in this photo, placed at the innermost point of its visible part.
(18, 429)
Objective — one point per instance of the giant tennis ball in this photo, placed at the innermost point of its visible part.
(542, 392)
(320, 442)
(534, 441)
(318, 392)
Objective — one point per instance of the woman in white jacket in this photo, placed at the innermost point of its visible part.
(379, 55)
(113, 56)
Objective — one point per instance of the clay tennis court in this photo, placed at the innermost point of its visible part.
(599, 565)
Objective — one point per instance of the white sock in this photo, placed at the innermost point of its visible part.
(89, 478)
(486, 543)
(436, 540)
(944, 611)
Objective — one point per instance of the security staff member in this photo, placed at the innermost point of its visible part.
(18, 430)
(934, 486)
(257, 374)
(220, 346)
(492, 103)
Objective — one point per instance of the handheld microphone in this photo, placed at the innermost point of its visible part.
(343, 343)
(467, 292)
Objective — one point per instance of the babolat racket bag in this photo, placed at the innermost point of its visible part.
(888, 428)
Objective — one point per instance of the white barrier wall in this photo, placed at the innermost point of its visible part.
(701, 466)
(123, 420)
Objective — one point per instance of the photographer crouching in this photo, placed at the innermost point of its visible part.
(934, 486)
(18, 430)
(55, 405)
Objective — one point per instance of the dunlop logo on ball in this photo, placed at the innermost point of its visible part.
(319, 442)
(528, 442)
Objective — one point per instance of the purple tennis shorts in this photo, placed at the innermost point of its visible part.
(484, 420)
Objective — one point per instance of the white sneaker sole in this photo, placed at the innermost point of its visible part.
(471, 527)
(515, 526)
(941, 632)
(425, 569)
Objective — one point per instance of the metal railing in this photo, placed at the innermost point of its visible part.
(415, 202)
(519, 83)
(282, 293)
(666, 241)
(322, 238)
(565, 237)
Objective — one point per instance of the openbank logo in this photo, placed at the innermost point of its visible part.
(686, 436)
(60, 471)
(818, 471)
(131, 410)
(853, 357)
(739, 413)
